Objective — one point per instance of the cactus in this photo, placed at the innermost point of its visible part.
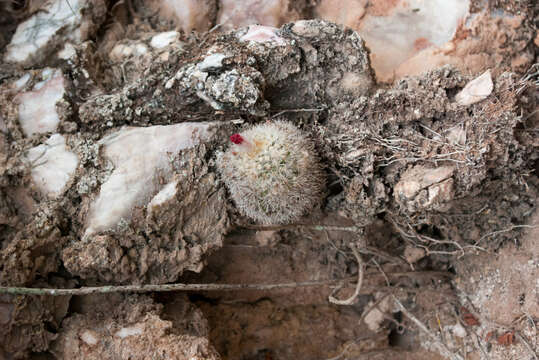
(272, 172)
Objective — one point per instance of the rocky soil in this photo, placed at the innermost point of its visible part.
(112, 116)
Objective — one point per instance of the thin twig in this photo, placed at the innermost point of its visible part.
(352, 298)
(525, 342)
(295, 110)
(369, 250)
(163, 287)
(513, 227)
(427, 241)
(217, 26)
(444, 351)
(352, 228)
(382, 271)
(477, 342)
(73, 11)
(184, 287)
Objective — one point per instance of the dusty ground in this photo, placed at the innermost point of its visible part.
(111, 179)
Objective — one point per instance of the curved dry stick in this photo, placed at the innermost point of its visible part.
(351, 299)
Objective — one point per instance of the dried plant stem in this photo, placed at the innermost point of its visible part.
(444, 351)
(352, 228)
(526, 344)
(351, 299)
(163, 287)
(211, 287)
(281, 112)
(510, 228)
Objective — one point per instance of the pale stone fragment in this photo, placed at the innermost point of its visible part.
(476, 90)
(37, 108)
(140, 156)
(53, 165)
(55, 23)
(163, 39)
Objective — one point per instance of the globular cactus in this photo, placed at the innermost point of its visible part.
(272, 172)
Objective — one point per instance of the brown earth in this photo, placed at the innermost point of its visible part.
(444, 195)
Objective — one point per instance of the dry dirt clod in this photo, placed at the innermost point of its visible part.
(135, 330)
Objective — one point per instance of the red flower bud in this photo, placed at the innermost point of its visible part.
(237, 139)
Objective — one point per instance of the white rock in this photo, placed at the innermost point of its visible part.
(476, 90)
(262, 34)
(34, 34)
(413, 254)
(376, 316)
(37, 108)
(395, 31)
(139, 156)
(421, 187)
(21, 83)
(165, 194)
(130, 331)
(459, 330)
(163, 39)
(211, 62)
(346, 12)
(440, 192)
(89, 337)
(420, 177)
(170, 83)
(456, 135)
(53, 165)
(140, 49)
(68, 52)
(46, 74)
(121, 51)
